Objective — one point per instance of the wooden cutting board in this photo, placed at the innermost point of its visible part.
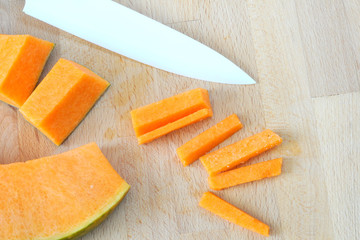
(304, 56)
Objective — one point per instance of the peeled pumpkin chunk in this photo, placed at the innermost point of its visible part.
(22, 59)
(58, 197)
(62, 99)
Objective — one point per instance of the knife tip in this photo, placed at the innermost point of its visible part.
(233, 74)
(240, 77)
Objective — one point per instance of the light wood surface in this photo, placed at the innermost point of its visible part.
(304, 56)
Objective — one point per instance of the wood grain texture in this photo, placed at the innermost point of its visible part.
(304, 56)
(329, 42)
(338, 126)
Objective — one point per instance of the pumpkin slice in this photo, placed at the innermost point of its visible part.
(182, 122)
(160, 118)
(246, 174)
(58, 197)
(225, 210)
(203, 143)
(22, 59)
(63, 99)
(229, 157)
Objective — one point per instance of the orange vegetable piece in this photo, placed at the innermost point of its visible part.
(246, 174)
(229, 157)
(63, 99)
(182, 122)
(151, 121)
(203, 143)
(22, 59)
(58, 197)
(225, 210)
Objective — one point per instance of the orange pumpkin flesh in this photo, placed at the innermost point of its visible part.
(22, 59)
(58, 197)
(63, 99)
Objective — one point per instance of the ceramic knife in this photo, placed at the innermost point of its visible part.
(131, 34)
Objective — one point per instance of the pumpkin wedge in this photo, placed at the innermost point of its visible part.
(22, 59)
(62, 99)
(58, 197)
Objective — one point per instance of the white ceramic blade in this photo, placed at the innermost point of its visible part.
(129, 33)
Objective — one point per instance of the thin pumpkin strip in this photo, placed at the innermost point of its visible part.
(246, 174)
(159, 118)
(225, 210)
(185, 121)
(230, 156)
(150, 117)
(204, 142)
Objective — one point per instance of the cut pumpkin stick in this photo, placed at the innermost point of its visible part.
(203, 143)
(62, 99)
(246, 174)
(157, 119)
(225, 210)
(182, 122)
(229, 157)
(22, 59)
